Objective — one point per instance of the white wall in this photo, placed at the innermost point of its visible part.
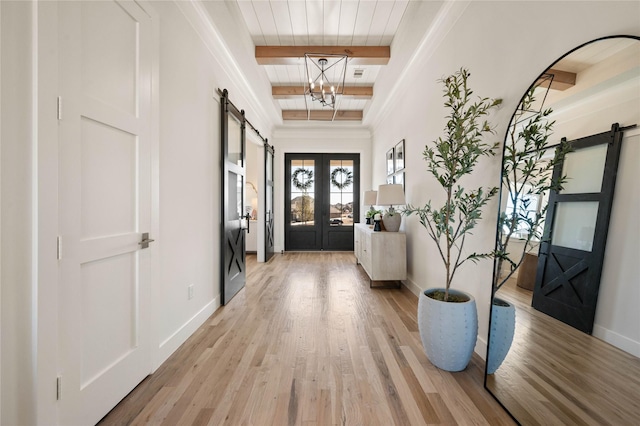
(191, 70)
(18, 323)
(335, 139)
(189, 180)
(505, 45)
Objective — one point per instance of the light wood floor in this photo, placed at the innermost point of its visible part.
(307, 342)
(557, 375)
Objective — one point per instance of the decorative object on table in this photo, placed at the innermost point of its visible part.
(526, 175)
(449, 159)
(390, 162)
(399, 156)
(370, 199)
(371, 214)
(391, 195)
(376, 220)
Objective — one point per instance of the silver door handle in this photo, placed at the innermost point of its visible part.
(145, 240)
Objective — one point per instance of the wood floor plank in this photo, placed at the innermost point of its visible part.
(307, 342)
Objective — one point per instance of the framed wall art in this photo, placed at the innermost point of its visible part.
(399, 156)
(398, 178)
(390, 162)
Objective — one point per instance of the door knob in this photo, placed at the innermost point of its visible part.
(144, 243)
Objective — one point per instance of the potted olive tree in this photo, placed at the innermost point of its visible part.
(447, 319)
(527, 167)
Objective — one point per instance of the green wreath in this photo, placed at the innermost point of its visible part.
(346, 178)
(308, 179)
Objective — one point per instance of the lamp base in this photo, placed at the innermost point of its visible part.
(392, 222)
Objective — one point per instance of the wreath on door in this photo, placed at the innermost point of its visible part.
(307, 179)
(341, 178)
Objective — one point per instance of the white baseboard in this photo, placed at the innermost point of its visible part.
(617, 340)
(173, 342)
(481, 347)
(413, 287)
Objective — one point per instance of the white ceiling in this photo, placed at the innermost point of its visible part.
(322, 23)
(358, 23)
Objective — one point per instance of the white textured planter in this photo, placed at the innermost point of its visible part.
(448, 330)
(503, 325)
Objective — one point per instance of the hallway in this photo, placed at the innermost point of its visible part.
(308, 342)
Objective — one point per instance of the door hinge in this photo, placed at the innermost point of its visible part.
(59, 248)
(59, 107)
(58, 388)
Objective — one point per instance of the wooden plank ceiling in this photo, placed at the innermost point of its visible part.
(283, 31)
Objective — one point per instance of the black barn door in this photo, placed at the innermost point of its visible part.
(233, 260)
(268, 202)
(572, 251)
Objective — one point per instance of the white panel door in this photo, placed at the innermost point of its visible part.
(104, 205)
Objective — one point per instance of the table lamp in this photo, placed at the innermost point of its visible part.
(391, 195)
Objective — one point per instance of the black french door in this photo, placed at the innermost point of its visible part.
(321, 201)
(572, 251)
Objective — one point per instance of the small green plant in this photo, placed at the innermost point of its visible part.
(372, 212)
(526, 173)
(450, 158)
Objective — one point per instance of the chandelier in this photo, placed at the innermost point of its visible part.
(325, 79)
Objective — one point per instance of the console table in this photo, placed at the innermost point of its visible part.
(383, 255)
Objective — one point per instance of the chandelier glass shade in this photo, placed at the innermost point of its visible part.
(325, 75)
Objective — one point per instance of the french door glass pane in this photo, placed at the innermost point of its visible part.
(302, 192)
(575, 224)
(584, 169)
(341, 193)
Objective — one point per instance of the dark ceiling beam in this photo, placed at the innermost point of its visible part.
(562, 80)
(322, 115)
(290, 92)
(290, 55)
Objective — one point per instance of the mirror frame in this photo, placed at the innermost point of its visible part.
(500, 194)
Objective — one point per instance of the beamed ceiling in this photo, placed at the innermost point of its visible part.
(283, 31)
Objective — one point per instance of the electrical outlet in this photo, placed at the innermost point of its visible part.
(190, 291)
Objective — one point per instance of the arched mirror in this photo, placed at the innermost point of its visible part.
(564, 345)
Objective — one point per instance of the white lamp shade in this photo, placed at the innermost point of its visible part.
(390, 195)
(370, 197)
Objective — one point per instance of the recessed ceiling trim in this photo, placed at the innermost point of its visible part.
(291, 55)
(292, 92)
